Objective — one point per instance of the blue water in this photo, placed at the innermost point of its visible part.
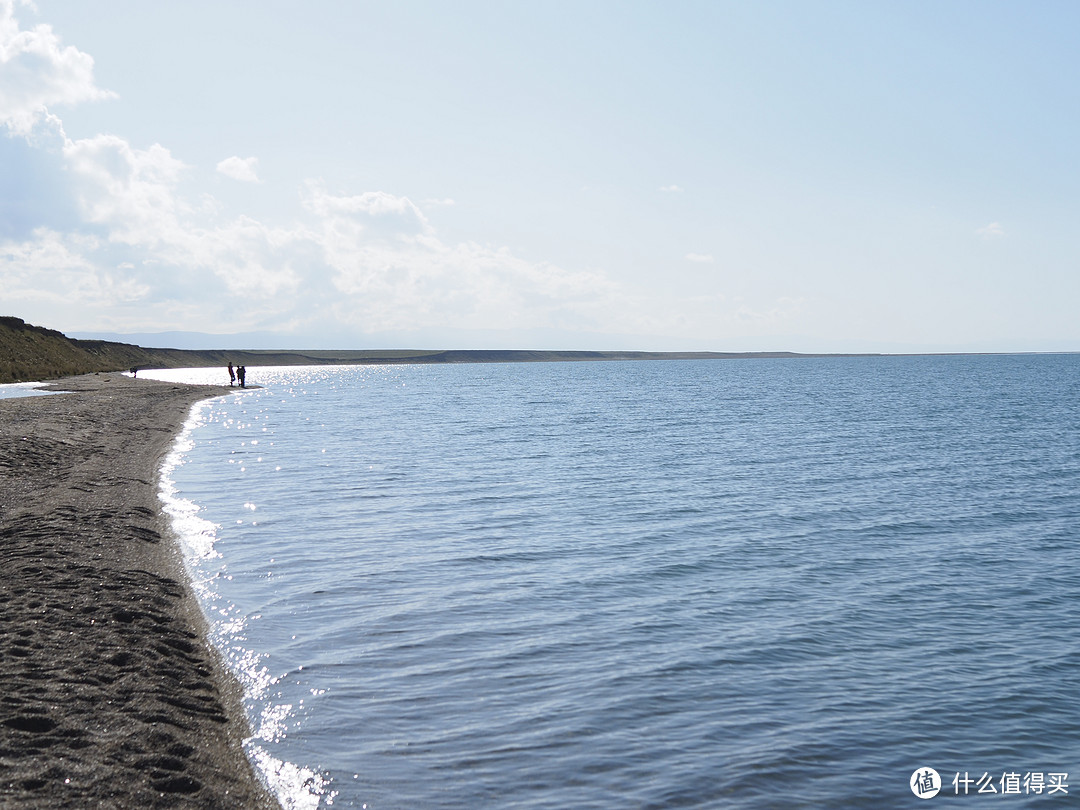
(731, 584)
(26, 389)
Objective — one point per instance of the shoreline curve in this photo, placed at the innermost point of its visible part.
(112, 694)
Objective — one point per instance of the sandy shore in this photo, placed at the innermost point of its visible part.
(109, 696)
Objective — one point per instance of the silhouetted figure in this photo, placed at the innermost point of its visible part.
(134, 371)
(241, 373)
(232, 375)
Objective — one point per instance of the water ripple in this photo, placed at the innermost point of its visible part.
(744, 584)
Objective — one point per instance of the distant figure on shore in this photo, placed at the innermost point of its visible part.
(232, 375)
(134, 371)
(241, 373)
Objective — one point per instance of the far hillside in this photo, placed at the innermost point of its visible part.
(34, 353)
(29, 353)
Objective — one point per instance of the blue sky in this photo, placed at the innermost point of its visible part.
(808, 176)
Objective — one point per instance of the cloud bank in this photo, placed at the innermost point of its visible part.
(142, 254)
(141, 251)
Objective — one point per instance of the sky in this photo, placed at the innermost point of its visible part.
(714, 176)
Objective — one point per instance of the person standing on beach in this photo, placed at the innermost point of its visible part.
(232, 375)
(241, 373)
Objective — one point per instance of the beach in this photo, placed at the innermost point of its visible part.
(111, 695)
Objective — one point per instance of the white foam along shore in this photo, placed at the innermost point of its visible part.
(295, 786)
(112, 694)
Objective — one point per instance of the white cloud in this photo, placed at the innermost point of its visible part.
(146, 258)
(157, 239)
(56, 268)
(147, 255)
(252, 260)
(395, 273)
(131, 191)
(238, 168)
(371, 203)
(703, 258)
(670, 188)
(371, 215)
(37, 72)
(144, 254)
(991, 231)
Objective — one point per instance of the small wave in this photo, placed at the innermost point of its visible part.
(295, 786)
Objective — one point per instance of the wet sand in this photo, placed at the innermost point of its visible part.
(109, 695)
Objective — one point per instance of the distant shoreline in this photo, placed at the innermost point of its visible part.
(31, 353)
(447, 356)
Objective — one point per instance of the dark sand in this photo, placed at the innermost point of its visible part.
(109, 695)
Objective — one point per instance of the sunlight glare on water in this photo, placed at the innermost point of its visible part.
(708, 584)
(297, 787)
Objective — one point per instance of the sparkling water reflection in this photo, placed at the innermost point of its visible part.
(729, 584)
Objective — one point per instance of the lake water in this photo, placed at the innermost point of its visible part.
(25, 389)
(730, 584)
